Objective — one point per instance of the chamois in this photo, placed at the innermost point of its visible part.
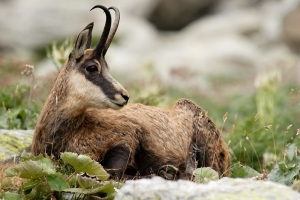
(83, 114)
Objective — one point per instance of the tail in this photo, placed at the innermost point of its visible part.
(208, 148)
(208, 145)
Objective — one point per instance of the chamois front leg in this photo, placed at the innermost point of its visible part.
(115, 161)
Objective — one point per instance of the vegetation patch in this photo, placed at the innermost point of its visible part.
(13, 144)
(261, 129)
(74, 175)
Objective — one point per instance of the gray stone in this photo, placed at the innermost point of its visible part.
(13, 142)
(32, 23)
(237, 42)
(291, 29)
(176, 14)
(226, 188)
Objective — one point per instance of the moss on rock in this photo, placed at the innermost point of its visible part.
(12, 142)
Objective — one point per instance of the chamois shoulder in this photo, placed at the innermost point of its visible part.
(201, 116)
(188, 105)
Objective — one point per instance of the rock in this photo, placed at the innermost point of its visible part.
(13, 142)
(225, 188)
(209, 46)
(291, 29)
(234, 43)
(176, 14)
(43, 22)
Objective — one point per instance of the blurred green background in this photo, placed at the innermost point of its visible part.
(238, 60)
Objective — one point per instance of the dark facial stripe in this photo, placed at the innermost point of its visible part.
(100, 80)
(105, 83)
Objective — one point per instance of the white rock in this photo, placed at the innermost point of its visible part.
(226, 188)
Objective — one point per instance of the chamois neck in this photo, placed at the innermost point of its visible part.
(58, 108)
(58, 117)
(60, 100)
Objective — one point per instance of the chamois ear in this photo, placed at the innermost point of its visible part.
(83, 41)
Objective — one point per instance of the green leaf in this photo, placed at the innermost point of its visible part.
(28, 156)
(282, 166)
(32, 169)
(82, 163)
(11, 196)
(11, 172)
(291, 151)
(30, 184)
(22, 114)
(240, 171)
(39, 191)
(284, 176)
(205, 174)
(35, 169)
(57, 183)
(107, 188)
(88, 182)
(288, 166)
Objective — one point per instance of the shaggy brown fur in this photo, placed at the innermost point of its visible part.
(136, 139)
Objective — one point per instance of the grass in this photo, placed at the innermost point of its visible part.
(18, 110)
(261, 128)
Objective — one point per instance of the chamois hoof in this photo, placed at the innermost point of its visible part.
(168, 172)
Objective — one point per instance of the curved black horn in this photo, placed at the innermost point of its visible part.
(101, 44)
(113, 29)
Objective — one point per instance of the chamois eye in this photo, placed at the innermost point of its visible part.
(92, 68)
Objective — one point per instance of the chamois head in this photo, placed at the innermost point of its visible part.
(89, 81)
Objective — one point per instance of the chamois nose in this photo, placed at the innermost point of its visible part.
(126, 97)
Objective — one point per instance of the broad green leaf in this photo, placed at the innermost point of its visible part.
(30, 184)
(22, 114)
(292, 164)
(39, 191)
(291, 151)
(240, 171)
(288, 166)
(107, 188)
(282, 166)
(57, 183)
(11, 171)
(44, 160)
(282, 176)
(25, 156)
(32, 169)
(117, 184)
(11, 196)
(82, 163)
(88, 182)
(205, 174)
